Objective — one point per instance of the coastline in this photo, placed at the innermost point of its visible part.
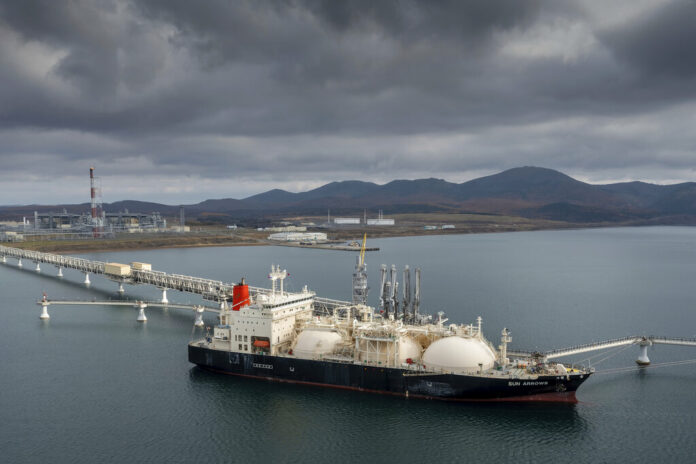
(252, 238)
(407, 225)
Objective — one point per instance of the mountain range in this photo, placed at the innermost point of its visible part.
(531, 192)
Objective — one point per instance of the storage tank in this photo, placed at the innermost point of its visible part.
(314, 343)
(459, 354)
(409, 349)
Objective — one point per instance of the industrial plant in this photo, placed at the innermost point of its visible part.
(95, 223)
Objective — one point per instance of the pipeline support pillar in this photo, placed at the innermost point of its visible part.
(141, 312)
(643, 359)
(44, 311)
(164, 296)
(198, 322)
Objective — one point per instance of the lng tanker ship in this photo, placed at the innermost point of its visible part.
(282, 336)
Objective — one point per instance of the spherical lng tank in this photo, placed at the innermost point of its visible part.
(409, 349)
(313, 343)
(459, 354)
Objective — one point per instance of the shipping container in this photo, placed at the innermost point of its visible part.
(141, 266)
(117, 269)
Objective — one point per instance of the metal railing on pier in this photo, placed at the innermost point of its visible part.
(596, 346)
(214, 290)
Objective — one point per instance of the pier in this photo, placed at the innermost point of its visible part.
(209, 289)
(640, 340)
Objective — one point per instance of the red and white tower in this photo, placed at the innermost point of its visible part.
(95, 196)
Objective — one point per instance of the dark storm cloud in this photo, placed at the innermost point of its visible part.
(661, 42)
(326, 90)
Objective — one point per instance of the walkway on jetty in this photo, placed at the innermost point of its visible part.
(209, 289)
(641, 340)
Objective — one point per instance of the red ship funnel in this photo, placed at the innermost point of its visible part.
(240, 296)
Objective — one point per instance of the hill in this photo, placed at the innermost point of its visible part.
(531, 192)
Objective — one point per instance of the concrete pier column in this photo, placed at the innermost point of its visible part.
(121, 290)
(164, 296)
(38, 267)
(87, 282)
(643, 359)
(4, 259)
(44, 310)
(19, 262)
(141, 312)
(60, 272)
(198, 322)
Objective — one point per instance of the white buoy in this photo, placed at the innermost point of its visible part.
(199, 317)
(164, 296)
(87, 282)
(19, 263)
(121, 290)
(643, 359)
(38, 267)
(44, 311)
(141, 312)
(60, 272)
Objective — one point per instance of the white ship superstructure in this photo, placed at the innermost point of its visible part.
(286, 324)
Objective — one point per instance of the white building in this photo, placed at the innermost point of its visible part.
(298, 236)
(346, 220)
(380, 222)
(285, 229)
(11, 236)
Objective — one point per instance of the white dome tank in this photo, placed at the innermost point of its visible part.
(458, 354)
(312, 343)
(409, 349)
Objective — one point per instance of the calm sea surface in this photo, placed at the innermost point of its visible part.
(93, 385)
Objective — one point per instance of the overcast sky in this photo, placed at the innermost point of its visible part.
(177, 101)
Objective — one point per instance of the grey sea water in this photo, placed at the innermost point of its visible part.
(93, 385)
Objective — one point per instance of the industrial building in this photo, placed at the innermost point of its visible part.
(120, 221)
(346, 221)
(380, 221)
(283, 229)
(10, 236)
(298, 236)
(96, 222)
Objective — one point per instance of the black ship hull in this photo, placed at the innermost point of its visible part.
(387, 380)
